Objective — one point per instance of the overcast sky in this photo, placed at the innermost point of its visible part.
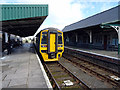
(65, 12)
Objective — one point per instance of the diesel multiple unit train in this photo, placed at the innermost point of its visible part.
(50, 44)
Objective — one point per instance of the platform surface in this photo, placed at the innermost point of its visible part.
(110, 54)
(21, 69)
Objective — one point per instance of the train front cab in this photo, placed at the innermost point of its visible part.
(52, 45)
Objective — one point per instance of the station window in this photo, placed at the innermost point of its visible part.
(85, 39)
(44, 38)
(97, 39)
(114, 40)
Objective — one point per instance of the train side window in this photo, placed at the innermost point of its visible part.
(59, 39)
(44, 38)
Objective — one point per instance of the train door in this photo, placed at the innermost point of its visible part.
(52, 42)
(105, 42)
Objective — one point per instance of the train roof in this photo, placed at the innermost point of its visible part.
(51, 29)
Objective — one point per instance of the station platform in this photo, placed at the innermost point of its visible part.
(105, 53)
(23, 69)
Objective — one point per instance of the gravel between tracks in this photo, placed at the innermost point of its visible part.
(90, 80)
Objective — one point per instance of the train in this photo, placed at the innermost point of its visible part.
(49, 44)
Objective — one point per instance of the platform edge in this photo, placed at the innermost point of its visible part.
(44, 74)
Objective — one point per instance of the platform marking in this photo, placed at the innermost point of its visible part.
(94, 53)
(44, 74)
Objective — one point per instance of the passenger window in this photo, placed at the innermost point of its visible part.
(59, 39)
(44, 38)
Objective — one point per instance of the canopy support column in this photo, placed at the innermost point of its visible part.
(90, 36)
(76, 38)
(118, 40)
(117, 28)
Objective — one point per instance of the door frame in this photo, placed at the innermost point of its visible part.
(105, 42)
(56, 41)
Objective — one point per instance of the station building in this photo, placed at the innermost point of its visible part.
(100, 31)
(21, 20)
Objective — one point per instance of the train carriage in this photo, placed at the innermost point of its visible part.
(50, 44)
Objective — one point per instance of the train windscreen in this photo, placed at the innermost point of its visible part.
(44, 38)
(59, 38)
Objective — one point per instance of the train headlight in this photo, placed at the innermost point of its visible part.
(43, 45)
(59, 45)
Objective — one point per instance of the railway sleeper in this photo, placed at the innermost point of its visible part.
(97, 74)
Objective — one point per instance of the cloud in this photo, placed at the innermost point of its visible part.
(2, 1)
(61, 12)
(106, 6)
(98, 0)
(64, 12)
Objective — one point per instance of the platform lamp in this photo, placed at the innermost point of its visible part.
(117, 28)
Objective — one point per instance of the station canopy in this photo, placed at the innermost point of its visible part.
(111, 17)
(22, 20)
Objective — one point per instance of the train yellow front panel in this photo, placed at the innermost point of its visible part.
(52, 42)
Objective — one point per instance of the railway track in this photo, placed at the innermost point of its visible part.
(106, 62)
(94, 69)
(60, 77)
